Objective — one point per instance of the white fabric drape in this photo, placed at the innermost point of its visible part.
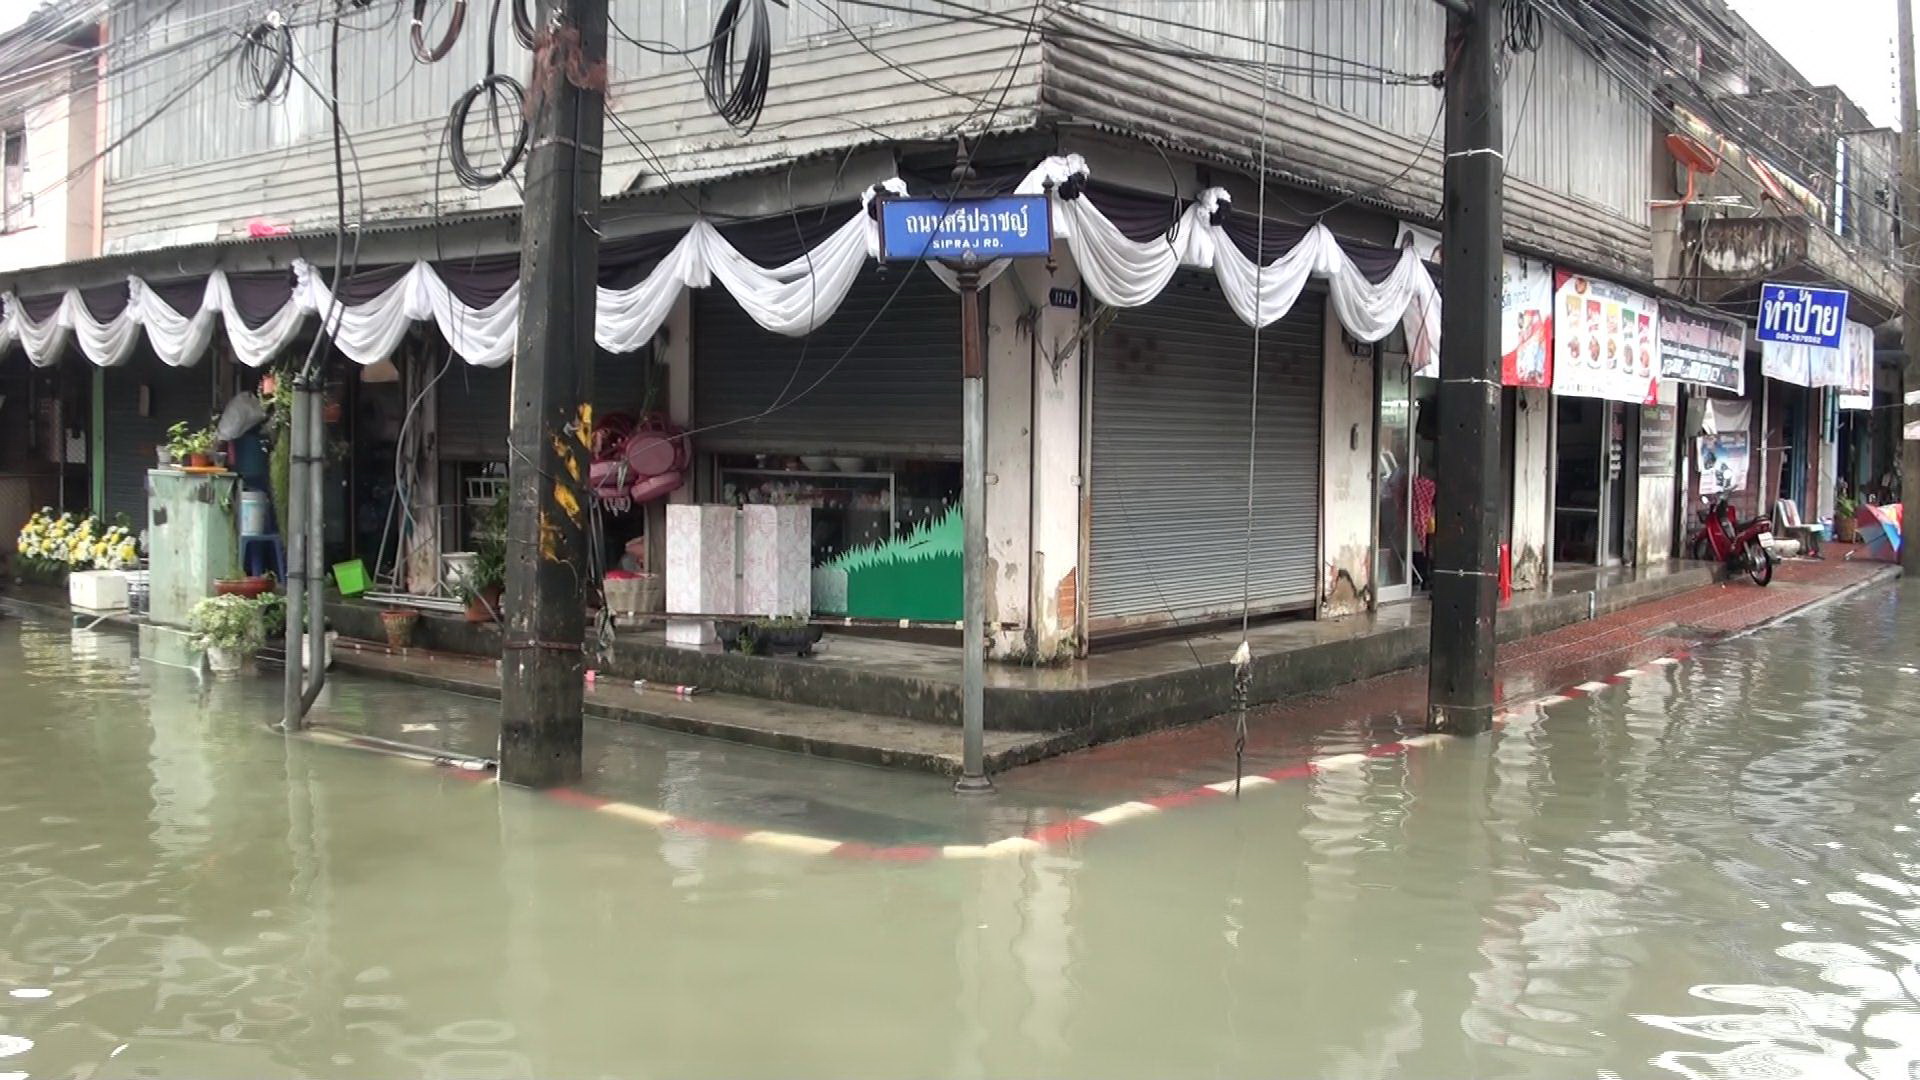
(792, 299)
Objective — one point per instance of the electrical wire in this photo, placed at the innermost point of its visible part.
(739, 98)
(497, 88)
(266, 52)
(1524, 30)
(418, 32)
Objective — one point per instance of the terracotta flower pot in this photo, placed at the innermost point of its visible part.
(332, 411)
(248, 587)
(199, 461)
(399, 627)
(486, 606)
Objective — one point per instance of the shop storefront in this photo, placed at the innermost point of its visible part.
(1171, 427)
(1606, 367)
(859, 421)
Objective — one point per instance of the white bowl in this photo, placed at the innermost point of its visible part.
(850, 464)
(817, 462)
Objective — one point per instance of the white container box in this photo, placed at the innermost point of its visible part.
(776, 560)
(97, 590)
(702, 542)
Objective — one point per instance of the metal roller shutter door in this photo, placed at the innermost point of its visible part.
(1169, 461)
(474, 404)
(174, 394)
(894, 385)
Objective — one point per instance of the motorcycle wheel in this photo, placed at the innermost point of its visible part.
(1759, 562)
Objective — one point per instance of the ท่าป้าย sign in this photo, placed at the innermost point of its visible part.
(1798, 315)
(986, 227)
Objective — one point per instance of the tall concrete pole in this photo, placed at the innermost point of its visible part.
(1910, 298)
(1467, 501)
(973, 522)
(549, 572)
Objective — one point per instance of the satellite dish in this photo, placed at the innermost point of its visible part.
(1696, 157)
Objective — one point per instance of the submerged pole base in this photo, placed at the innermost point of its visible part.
(973, 785)
(1466, 720)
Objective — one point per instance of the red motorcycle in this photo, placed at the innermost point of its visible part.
(1723, 539)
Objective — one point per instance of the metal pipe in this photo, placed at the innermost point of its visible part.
(316, 641)
(973, 560)
(293, 532)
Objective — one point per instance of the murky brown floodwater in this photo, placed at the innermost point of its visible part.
(1711, 872)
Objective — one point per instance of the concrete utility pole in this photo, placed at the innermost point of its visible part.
(1910, 300)
(543, 670)
(1467, 502)
(973, 518)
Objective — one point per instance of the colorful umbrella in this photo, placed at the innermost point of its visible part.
(1880, 528)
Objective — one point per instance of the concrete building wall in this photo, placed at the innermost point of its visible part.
(1053, 576)
(1532, 488)
(57, 222)
(1346, 474)
(1011, 344)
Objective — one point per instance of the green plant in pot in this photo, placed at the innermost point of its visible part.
(229, 627)
(485, 581)
(190, 446)
(1846, 526)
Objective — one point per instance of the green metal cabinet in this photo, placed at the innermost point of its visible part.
(193, 539)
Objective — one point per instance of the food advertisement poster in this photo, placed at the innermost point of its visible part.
(1606, 341)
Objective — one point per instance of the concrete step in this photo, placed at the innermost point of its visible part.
(835, 733)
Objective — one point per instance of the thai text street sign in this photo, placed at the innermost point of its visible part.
(987, 227)
(1797, 315)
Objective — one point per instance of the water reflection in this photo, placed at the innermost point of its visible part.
(1708, 872)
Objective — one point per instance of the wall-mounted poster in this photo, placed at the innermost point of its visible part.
(1723, 462)
(1698, 348)
(1857, 348)
(1606, 341)
(1526, 322)
(1526, 310)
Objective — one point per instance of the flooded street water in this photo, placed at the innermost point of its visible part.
(1714, 871)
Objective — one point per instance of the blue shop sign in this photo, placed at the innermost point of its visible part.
(989, 227)
(1798, 315)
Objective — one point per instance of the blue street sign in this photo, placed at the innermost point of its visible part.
(989, 227)
(1798, 315)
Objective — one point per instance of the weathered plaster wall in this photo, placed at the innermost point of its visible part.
(1532, 488)
(1346, 474)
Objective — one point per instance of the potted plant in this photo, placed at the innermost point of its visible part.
(230, 629)
(768, 637)
(249, 587)
(485, 578)
(1846, 526)
(191, 447)
(399, 624)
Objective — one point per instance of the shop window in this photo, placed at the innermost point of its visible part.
(886, 531)
(15, 188)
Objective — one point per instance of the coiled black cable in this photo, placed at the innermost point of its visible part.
(266, 60)
(498, 90)
(420, 50)
(1524, 31)
(738, 100)
(522, 23)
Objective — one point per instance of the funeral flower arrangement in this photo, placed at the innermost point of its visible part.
(65, 542)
